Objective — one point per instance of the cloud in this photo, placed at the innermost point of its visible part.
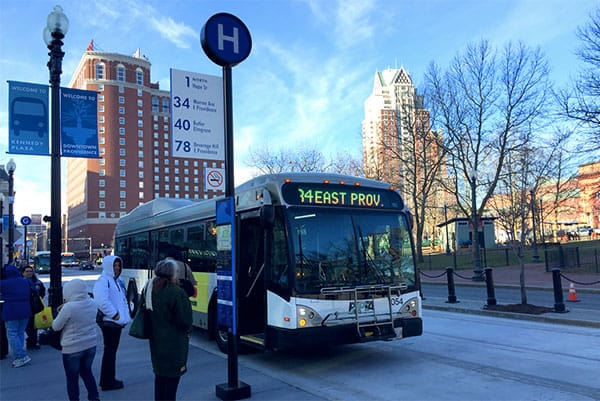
(178, 33)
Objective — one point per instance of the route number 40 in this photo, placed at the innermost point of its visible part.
(182, 124)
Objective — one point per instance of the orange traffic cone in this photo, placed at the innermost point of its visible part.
(572, 294)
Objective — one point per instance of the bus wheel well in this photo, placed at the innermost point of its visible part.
(132, 297)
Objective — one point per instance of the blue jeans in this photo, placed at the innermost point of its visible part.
(80, 364)
(15, 331)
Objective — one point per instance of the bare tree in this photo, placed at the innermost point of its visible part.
(581, 102)
(303, 158)
(486, 99)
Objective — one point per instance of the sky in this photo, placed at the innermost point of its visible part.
(311, 66)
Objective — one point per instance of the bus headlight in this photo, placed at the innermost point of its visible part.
(410, 308)
(307, 317)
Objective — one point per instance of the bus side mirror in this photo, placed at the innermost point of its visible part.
(267, 216)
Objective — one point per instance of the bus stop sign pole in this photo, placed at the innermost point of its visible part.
(227, 42)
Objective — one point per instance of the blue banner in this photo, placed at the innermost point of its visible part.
(28, 118)
(79, 123)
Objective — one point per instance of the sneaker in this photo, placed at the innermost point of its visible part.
(116, 385)
(21, 362)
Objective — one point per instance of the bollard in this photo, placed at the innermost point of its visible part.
(559, 305)
(451, 288)
(489, 283)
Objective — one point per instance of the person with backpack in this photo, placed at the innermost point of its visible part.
(16, 311)
(113, 315)
(38, 286)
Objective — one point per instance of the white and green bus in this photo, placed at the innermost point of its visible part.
(322, 259)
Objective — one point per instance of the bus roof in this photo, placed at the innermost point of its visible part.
(162, 212)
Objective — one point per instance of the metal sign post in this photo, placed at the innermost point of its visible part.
(226, 41)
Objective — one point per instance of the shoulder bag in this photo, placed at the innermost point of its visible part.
(141, 327)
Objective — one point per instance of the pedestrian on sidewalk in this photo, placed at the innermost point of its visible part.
(77, 320)
(38, 286)
(16, 311)
(171, 316)
(109, 294)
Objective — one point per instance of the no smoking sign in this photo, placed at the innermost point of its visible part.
(214, 179)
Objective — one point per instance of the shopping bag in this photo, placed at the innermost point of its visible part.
(43, 319)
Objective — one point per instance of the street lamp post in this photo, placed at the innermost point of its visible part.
(11, 167)
(56, 28)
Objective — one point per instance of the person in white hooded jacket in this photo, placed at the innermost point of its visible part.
(109, 294)
(76, 319)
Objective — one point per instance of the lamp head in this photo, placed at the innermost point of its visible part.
(57, 25)
(11, 166)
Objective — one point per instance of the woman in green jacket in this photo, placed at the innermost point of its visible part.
(171, 315)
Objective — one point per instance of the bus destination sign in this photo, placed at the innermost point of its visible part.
(318, 194)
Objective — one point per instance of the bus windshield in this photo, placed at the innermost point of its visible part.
(67, 259)
(350, 248)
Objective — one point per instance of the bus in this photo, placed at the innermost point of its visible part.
(67, 259)
(321, 259)
(41, 262)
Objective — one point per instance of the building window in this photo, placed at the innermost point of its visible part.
(120, 73)
(140, 133)
(101, 108)
(102, 151)
(101, 119)
(100, 97)
(139, 93)
(122, 141)
(140, 144)
(140, 102)
(122, 183)
(121, 173)
(155, 105)
(101, 172)
(101, 183)
(121, 89)
(102, 194)
(141, 195)
(140, 123)
(100, 87)
(121, 110)
(140, 113)
(99, 71)
(156, 144)
(122, 162)
(141, 154)
(122, 120)
(167, 187)
(101, 140)
(122, 194)
(165, 127)
(121, 99)
(141, 173)
(139, 77)
(156, 187)
(167, 179)
(122, 205)
(166, 145)
(101, 129)
(165, 105)
(102, 162)
(121, 152)
(101, 206)
(121, 131)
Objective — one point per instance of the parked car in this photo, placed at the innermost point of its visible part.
(86, 265)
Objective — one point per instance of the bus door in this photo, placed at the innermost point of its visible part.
(251, 277)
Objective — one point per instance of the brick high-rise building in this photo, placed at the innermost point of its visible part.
(134, 135)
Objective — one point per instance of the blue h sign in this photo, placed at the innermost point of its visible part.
(225, 39)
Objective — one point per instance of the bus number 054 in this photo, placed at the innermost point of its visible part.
(186, 146)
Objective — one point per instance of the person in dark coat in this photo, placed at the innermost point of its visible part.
(16, 311)
(38, 286)
(171, 315)
(3, 339)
